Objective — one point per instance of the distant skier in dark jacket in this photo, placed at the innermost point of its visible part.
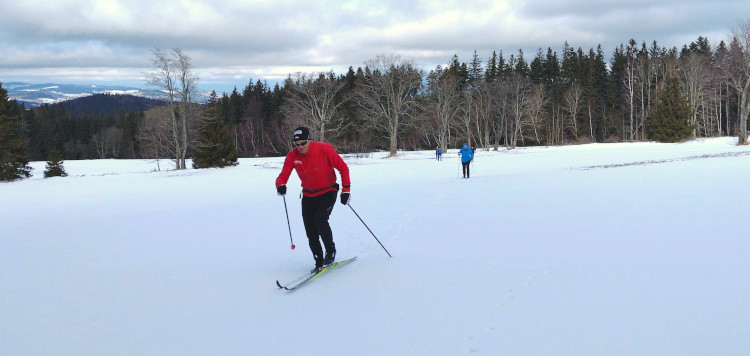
(466, 156)
(314, 163)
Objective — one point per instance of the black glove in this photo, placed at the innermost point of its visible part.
(281, 190)
(344, 198)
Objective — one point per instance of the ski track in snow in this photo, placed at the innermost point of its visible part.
(642, 163)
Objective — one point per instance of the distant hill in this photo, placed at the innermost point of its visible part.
(33, 95)
(106, 104)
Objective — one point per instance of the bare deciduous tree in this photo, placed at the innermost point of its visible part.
(537, 101)
(695, 79)
(442, 96)
(99, 141)
(466, 116)
(388, 96)
(107, 142)
(485, 104)
(572, 100)
(113, 139)
(153, 134)
(736, 71)
(187, 81)
(499, 123)
(172, 73)
(518, 95)
(630, 84)
(313, 102)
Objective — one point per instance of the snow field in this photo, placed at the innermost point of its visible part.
(542, 252)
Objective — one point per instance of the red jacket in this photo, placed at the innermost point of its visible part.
(315, 169)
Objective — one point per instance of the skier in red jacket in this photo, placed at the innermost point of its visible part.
(314, 163)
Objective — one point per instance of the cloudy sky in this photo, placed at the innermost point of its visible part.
(232, 42)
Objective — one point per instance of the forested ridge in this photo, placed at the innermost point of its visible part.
(109, 104)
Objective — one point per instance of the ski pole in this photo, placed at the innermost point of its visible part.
(368, 228)
(474, 162)
(287, 222)
(458, 173)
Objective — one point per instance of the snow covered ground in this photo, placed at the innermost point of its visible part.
(599, 249)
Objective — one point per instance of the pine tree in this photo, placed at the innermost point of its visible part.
(13, 158)
(224, 111)
(504, 67)
(595, 90)
(235, 107)
(55, 165)
(460, 70)
(522, 68)
(475, 70)
(492, 72)
(215, 146)
(213, 99)
(670, 120)
(551, 67)
(536, 69)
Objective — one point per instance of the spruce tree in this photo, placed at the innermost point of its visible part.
(670, 120)
(475, 70)
(522, 67)
(215, 146)
(492, 72)
(551, 68)
(235, 107)
(55, 165)
(13, 158)
(536, 69)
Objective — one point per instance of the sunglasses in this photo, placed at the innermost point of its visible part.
(300, 143)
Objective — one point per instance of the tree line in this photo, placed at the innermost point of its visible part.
(390, 103)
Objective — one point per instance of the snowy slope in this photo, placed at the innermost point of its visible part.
(601, 249)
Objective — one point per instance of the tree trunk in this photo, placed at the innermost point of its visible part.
(744, 113)
(394, 138)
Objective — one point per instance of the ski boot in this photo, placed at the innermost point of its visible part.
(330, 257)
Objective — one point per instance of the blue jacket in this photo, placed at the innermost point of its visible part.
(466, 154)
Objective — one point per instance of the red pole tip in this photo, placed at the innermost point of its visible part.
(293, 247)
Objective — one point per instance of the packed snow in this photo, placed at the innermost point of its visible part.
(597, 249)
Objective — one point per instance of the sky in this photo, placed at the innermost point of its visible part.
(233, 42)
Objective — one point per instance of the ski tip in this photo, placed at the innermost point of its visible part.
(279, 284)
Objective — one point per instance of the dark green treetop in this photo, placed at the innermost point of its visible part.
(670, 120)
(55, 165)
(215, 146)
(13, 157)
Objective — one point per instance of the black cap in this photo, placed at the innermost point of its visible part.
(301, 133)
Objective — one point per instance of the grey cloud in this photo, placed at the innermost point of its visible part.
(645, 20)
(267, 37)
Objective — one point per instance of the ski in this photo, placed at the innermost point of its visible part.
(310, 276)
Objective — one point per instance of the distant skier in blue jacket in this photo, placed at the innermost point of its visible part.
(466, 156)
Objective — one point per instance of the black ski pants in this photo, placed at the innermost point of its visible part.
(315, 213)
(466, 169)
